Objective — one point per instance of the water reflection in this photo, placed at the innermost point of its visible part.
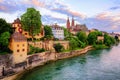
(95, 65)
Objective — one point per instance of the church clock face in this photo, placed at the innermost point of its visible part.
(20, 30)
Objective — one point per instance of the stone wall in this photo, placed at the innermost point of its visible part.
(40, 59)
(48, 45)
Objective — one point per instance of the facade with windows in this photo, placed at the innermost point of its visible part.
(58, 32)
(18, 44)
(18, 28)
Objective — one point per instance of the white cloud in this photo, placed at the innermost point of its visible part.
(10, 17)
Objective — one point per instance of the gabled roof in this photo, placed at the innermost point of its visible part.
(56, 26)
(18, 37)
(17, 21)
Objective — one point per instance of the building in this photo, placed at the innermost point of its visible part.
(18, 28)
(18, 44)
(100, 38)
(58, 32)
(74, 28)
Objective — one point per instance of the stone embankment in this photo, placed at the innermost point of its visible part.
(42, 58)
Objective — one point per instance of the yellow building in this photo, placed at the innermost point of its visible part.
(18, 44)
(100, 38)
(18, 28)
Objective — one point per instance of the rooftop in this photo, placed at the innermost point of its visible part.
(18, 37)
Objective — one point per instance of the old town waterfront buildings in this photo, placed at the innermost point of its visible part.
(58, 32)
(74, 28)
(18, 44)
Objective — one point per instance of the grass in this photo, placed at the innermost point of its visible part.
(100, 46)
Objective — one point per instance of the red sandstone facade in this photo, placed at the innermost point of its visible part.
(72, 27)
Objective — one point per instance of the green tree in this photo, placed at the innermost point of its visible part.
(99, 33)
(48, 32)
(58, 47)
(82, 36)
(31, 21)
(108, 40)
(5, 32)
(5, 27)
(4, 38)
(92, 37)
(116, 38)
(66, 33)
(75, 43)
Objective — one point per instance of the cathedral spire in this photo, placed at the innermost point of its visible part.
(73, 22)
(68, 23)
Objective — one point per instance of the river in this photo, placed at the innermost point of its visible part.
(95, 65)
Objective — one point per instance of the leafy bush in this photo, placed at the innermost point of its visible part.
(101, 46)
(58, 47)
(35, 50)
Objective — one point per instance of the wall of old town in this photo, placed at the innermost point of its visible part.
(49, 45)
(7, 68)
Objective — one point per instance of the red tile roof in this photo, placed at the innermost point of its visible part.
(18, 37)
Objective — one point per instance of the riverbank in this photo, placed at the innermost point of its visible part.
(46, 57)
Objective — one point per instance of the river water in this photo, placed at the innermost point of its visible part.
(95, 65)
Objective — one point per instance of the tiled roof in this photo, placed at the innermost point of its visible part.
(18, 37)
(17, 21)
(56, 26)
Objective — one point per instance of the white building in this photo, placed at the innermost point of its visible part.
(58, 32)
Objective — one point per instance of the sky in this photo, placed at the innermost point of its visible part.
(99, 14)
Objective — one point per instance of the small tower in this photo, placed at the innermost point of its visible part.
(18, 44)
(68, 24)
(17, 25)
(73, 22)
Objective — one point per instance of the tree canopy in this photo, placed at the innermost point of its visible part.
(92, 37)
(5, 32)
(108, 40)
(66, 32)
(48, 32)
(82, 36)
(58, 47)
(31, 21)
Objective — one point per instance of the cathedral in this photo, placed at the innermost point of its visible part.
(72, 27)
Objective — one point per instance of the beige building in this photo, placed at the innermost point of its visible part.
(18, 44)
(100, 38)
(18, 28)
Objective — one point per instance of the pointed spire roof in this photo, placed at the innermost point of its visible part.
(17, 21)
(73, 21)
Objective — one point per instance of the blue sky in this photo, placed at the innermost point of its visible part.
(100, 14)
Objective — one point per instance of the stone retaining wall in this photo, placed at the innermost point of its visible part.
(41, 58)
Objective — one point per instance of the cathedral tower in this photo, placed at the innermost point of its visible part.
(73, 22)
(68, 23)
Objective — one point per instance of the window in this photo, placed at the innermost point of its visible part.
(23, 49)
(23, 45)
(18, 50)
(17, 45)
(25, 33)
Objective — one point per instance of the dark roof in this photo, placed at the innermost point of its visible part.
(17, 21)
(18, 37)
(56, 26)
